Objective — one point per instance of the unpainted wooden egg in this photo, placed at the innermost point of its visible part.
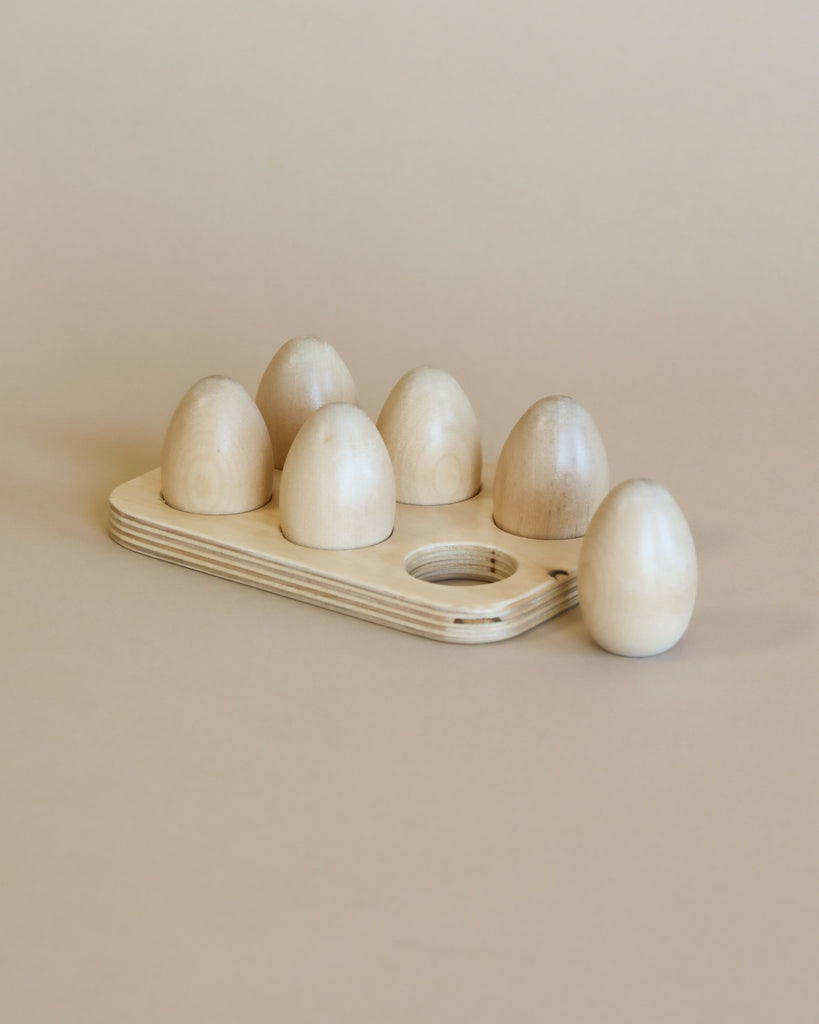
(637, 573)
(552, 472)
(432, 435)
(337, 488)
(216, 457)
(303, 375)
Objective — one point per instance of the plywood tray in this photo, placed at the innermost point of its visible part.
(516, 583)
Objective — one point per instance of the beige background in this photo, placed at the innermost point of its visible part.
(221, 805)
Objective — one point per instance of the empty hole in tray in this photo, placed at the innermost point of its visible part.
(460, 565)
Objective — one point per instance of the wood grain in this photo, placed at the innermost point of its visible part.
(337, 488)
(552, 471)
(432, 434)
(304, 374)
(216, 457)
(637, 572)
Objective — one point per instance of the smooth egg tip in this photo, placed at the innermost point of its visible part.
(304, 374)
(552, 472)
(637, 574)
(431, 432)
(337, 488)
(216, 454)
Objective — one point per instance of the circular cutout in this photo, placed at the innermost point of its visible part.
(460, 565)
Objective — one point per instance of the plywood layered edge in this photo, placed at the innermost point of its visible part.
(369, 583)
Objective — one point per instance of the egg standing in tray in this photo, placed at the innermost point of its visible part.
(303, 375)
(337, 488)
(216, 458)
(552, 472)
(637, 573)
(432, 435)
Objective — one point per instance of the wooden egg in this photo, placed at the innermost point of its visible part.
(303, 375)
(552, 472)
(216, 458)
(637, 574)
(337, 488)
(431, 432)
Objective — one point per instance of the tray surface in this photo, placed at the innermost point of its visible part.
(516, 582)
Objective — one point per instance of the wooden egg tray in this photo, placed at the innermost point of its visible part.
(517, 582)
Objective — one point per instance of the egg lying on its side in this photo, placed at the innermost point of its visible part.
(552, 472)
(637, 574)
(432, 435)
(216, 458)
(303, 375)
(337, 488)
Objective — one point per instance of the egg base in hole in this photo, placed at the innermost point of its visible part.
(460, 565)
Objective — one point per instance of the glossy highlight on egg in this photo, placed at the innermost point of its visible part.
(304, 374)
(337, 488)
(216, 456)
(637, 573)
(432, 434)
(552, 472)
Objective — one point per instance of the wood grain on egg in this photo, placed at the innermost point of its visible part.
(552, 472)
(432, 434)
(637, 572)
(303, 375)
(337, 487)
(216, 457)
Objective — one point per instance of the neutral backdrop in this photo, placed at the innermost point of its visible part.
(221, 805)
